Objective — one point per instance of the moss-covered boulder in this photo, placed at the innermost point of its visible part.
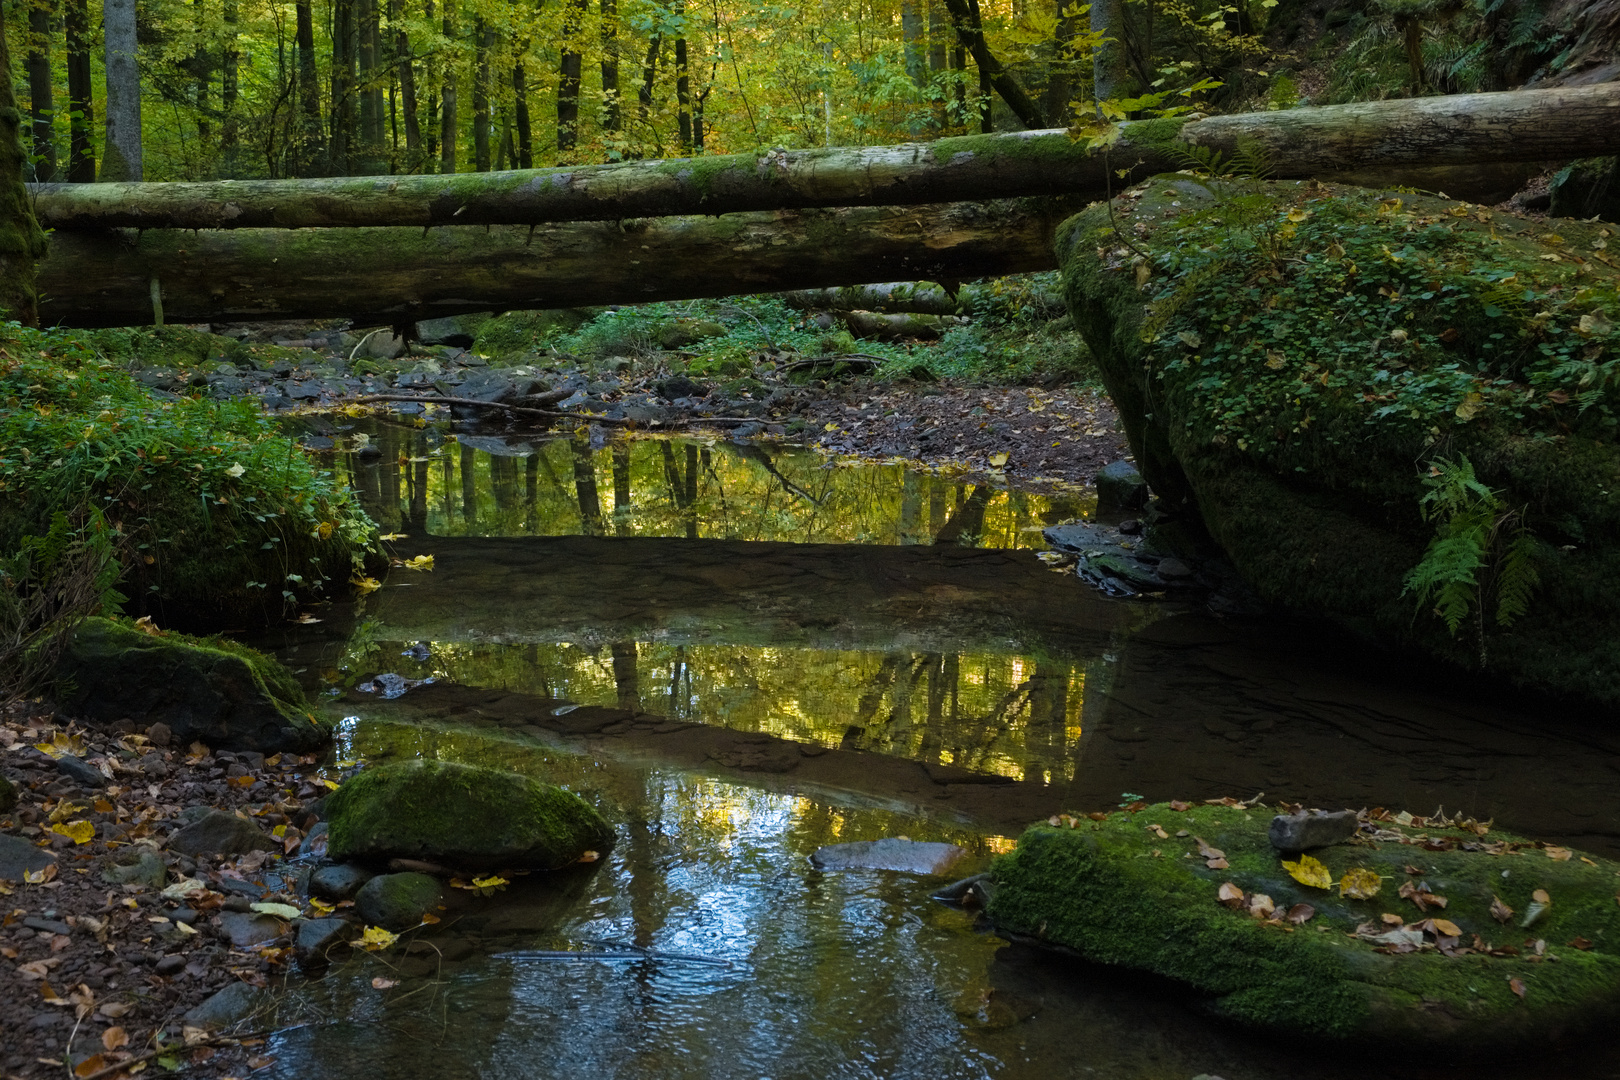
(209, 690)
(398, 901)
(1117, 892)
(1345, 387)
(461, 816)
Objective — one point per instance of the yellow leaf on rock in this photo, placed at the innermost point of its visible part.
(80, 832)
(1309, 871)
(1360, 884)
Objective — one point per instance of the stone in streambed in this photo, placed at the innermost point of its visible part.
(18, 856)
(1120, 487)
(1311, 829)
(218, 833)
(246, 928)
(398, 901)
(339, 882)
(80, 772)
(145, 867)
(318, 937)
(891, 853)
(232, 1005)
(461, 816)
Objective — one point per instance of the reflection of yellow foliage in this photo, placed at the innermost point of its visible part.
(1360, 884)
(363, 585)
(1310, 871)
(483, 886)
(420, 562)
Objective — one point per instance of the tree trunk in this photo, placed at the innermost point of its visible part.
(447, 96)
(1109, 69)
(370, 83)
(407, 87)
(81, 109)
(649, 73)
(482, 37)
(21, 241)
(525, 128)
(569, 72)
(121, 160)
(965, 12)
(343, 77)
(683, 96)
(230, 89)
(1380, 142)
(396, 275)
(611, 118)
(309, 147)
(41, 107)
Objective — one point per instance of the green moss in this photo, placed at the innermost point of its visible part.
(1163, 134)
(1117, 894)
(1286, 357)
(461, 815)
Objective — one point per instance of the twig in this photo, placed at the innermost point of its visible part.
(111, 1070)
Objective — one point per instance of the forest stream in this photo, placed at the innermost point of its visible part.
(742, 652)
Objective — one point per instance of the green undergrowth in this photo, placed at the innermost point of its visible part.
(1297, 360)
(1117, 893)
(219, 517)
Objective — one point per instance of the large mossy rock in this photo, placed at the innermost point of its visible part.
(213, 691)
(1292, 361)
(461, 816)
(1116, 893)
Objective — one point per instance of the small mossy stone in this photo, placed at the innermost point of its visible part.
(339, 882)
(1115, 893)
(213, 691)
(145, 867)
(1120, 487)
(398, 901)
(461, 816)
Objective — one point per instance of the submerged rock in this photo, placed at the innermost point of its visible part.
(339, 882)
(890, 853)
(1299, 367)
(461, 816)
(398, 901)
(143, 867)
(232, 1005)
(216, 692)
(1117, 892)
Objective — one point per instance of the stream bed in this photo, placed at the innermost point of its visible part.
(741, 653)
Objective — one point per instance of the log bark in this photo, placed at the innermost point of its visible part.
(394, 275)
(1379, 139)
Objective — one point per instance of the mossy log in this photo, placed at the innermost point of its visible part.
(1386, 137)
(398, 275)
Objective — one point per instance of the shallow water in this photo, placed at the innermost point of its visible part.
(733, 704)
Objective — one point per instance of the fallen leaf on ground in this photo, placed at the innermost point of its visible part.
(112, 1010)
(1517, 986)
(1447, 927)
(1230, 895)
(1560, 854)
(281, 911)
(1207, 852)
(1260, 906)
(1300, 913)
(1360, 884)
(92, 1064)
(1309, 871)
(1501, 912)
(114, 1037)
(1580, 943)
(380, 983)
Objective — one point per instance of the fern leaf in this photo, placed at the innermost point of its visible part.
(1517, 580)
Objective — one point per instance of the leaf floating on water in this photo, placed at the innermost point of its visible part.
(1517, 986)
(364, 585)
(375, 937)
(592, 856)
(420, 562)
(380, 983)
(1360, 884)
(1501, 912)
(1300, 914)
(1309, 871)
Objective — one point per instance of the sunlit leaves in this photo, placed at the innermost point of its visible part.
(1309, 871)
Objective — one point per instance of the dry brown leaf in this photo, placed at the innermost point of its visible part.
(114, 1037)
(112, 1010)
(1560, 854)
(1447, 927)
(1500, 911)
(380, 983)
(1230, 895)
(1260, 906)
(1392, 920)
(92, 1064)
(1300, 914)
(1517, 986)
(1178, 806)
(1207, 852)
(1580, 943)
(1216, 864)
(1540, 896)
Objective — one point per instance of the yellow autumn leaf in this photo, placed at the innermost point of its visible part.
(420, 562)
(321, 906)
(330, 783)
(363, 585)
(80, 832)
(1360, 884)
(323, 531)
(375, 937)
(998, 460)
(1309, 871)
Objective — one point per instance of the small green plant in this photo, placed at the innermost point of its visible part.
(48, 587)
(1480, 548)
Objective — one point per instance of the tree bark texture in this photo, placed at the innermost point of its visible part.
(483, 40)
(310, 146)
(569, 74)
(121, 160)
(81, 115)
(41, 107)
(447, 97)
(611, 114)
(21, 241)
(393, 275)
(1380, 142)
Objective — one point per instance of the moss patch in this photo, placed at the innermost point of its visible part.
(1290, 359)
(462, 816)
(1116, 893)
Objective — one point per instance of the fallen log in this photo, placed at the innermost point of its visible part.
(1381, 139)
(401, 275)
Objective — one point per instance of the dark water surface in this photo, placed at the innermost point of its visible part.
(732, 702)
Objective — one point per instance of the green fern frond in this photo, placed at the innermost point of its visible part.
(1517, 579)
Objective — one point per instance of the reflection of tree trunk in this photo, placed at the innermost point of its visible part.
(968, 519)
(590, 502)
(469, 492)
(625, 679)
(855, 736)
(621, 489)
(691, 491)
(419, 484)
(531, 492)
(1048, 722)
(683, 490)
(503, 482)
(910, 506)
(448, 483)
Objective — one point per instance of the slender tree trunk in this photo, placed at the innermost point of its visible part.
(309, 147)
(344, 35)
(368, 84)
(230, 88)
(1060, 87)
(41, 107)
(447, 95)
(81, 110)
(407, 86)
(21, 241)
(520, 106)
(991, 71)
(121, 160)
(611, 119)
(986, 95)
(392, 275)
(913, 34)
(1109, 68)
(482, 38)
(649, 74)
(683, 96)
(569, 73)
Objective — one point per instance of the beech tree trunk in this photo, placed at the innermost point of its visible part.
(121, 160)
(41, 108)
(1378, 142)
(395, 275)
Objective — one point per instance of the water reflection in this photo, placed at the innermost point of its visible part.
(428, 482)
